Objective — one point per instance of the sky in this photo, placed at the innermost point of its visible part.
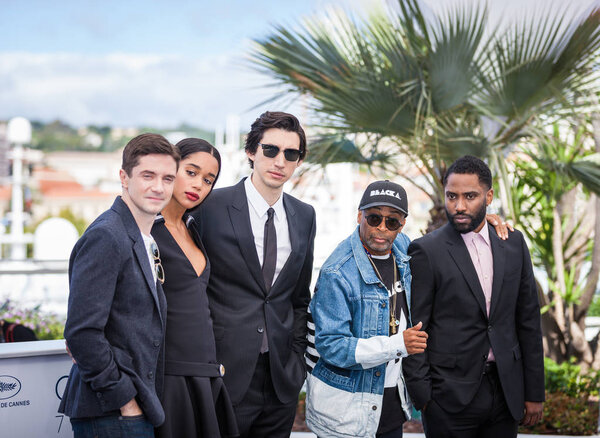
(157, 63)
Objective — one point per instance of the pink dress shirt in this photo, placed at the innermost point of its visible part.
(480, 250)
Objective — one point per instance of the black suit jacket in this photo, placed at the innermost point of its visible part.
(240, 306)
(115, 322)
(447, 297)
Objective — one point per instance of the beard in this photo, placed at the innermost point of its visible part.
(467, 227)
(367, 238)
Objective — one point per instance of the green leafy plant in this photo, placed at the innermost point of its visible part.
(595, 306)
(405, 88)
(571, 406)
(46, 325)
(565, 415)
(568, 378)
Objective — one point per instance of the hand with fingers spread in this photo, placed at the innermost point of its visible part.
(415, 339)
(499, 225)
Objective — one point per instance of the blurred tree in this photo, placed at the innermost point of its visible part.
(56, 136)
(554, 181)
(408, 89)
(66, 213)
(406, 86)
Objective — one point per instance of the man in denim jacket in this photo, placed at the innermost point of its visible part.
(362, 327)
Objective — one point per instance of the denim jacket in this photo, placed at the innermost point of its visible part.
(350, 309)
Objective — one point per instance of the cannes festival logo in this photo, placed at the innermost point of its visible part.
(9, 387)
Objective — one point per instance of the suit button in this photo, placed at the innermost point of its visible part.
(150, 375)
(99, 394)
(157, 343)
(489, 328)
(374, 408)
(485, 357)
(260, 330)
(267, 301)
(377, 373)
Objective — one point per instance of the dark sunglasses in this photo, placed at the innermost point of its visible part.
(271, 151)
(160, 273)
(391, 223)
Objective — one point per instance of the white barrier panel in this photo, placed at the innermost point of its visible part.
(32, 380)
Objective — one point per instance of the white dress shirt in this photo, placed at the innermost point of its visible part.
(148, 243)
(257, 207)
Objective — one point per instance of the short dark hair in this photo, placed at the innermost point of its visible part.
(189, 146)
(470, 165)
(274, 119)
(146, 144)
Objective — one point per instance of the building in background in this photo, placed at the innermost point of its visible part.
(86, 183)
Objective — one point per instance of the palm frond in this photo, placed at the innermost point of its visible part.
(452, 65)
(339, 148)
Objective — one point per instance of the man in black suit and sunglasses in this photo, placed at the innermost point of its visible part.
(260, 244)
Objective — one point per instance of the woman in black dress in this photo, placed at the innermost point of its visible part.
(195, 400)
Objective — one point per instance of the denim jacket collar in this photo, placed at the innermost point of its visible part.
(364, 265)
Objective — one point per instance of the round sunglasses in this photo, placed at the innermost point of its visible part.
(391, 223)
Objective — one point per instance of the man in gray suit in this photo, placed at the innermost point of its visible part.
(116, 315)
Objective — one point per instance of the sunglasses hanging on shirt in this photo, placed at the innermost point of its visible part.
(160, 273)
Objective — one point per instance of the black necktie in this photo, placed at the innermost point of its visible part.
(269, 262)
(269, 250)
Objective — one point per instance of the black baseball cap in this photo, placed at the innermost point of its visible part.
(384, 193)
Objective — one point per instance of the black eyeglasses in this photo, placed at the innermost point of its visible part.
(391, 223)
(160, 272)
(271, 151)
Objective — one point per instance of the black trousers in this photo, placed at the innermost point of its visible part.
(260, 413)
(487, 416)
(391, 434)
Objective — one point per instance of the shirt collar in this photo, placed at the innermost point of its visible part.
(259, 204)
(484, 232)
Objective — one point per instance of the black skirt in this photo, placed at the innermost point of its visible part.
(196, 407)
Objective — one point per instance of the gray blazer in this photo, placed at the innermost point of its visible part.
(115, 322)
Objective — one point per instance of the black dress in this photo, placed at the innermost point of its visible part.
(194, 398)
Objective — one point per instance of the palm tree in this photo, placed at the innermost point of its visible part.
(401, 88)
(430, 90)
(553, 189)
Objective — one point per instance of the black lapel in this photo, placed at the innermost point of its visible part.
(139, 249)
(459, 253)
(240, 219)
(292, 220)
(499, 256)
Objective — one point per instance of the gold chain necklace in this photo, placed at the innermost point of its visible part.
(394, 323)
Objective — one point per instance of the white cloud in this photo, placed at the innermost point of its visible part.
(127, 89)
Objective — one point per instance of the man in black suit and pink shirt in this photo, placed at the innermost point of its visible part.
(260, 244)
(483, 369)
